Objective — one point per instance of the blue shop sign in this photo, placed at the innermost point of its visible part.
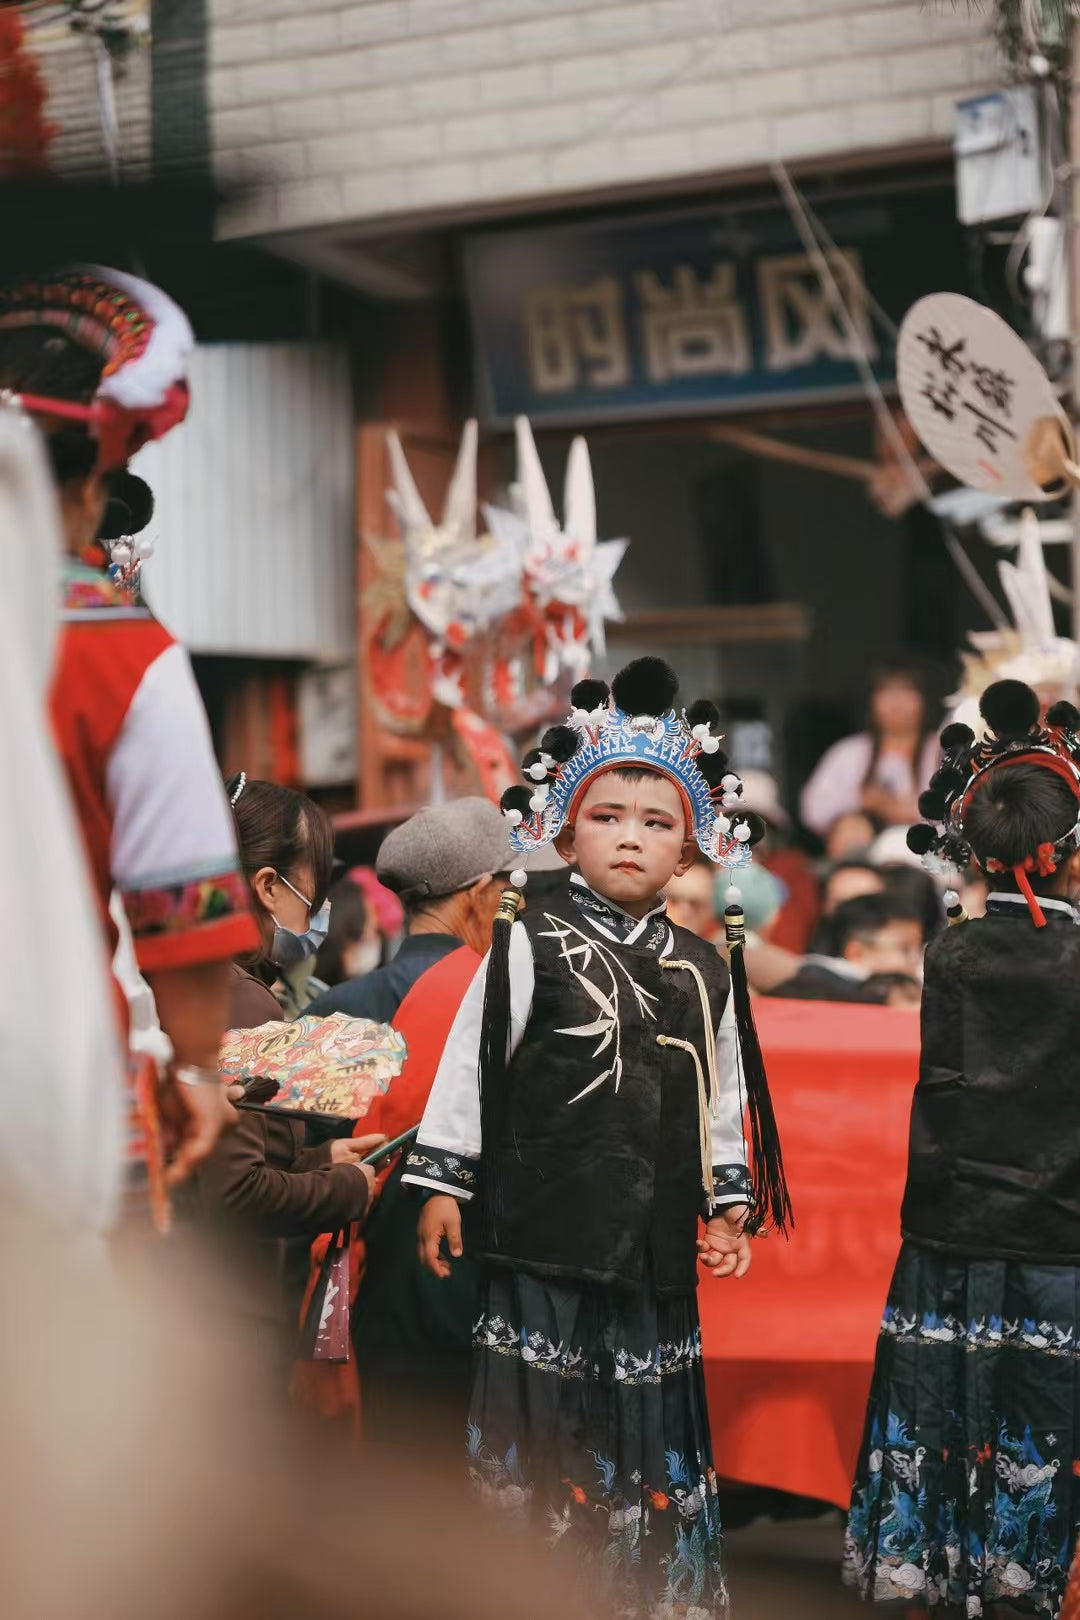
(707, 310)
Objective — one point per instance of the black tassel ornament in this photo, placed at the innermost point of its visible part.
(770, 1200)
(495, 1052)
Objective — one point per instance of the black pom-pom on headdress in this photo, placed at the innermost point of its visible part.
(561, 743)
(948, 780)
(1064, 716)
(921, 838)
(702, 713)
(516, 798)
(957, 736)
(932, 805)
(1009, 708)
(589, 695)
(713, 767)
(647, 686)
(533, 768)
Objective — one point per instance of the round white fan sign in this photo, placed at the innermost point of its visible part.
(975, 394)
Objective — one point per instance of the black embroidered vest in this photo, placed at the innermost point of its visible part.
(599, 1166)
(994, 1155)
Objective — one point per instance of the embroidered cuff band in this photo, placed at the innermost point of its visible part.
(435, 1170)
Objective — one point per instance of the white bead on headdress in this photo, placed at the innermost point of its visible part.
(239, 788)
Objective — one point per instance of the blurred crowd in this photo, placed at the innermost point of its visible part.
(839, 907)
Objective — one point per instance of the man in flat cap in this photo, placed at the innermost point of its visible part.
(412, 1335)
(448, 864)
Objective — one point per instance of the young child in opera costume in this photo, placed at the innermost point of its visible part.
(967, 1492)
(614, 1065)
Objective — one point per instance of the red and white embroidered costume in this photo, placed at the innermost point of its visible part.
(136, 744)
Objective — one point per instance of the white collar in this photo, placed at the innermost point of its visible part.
(639, 923)
(1000, 897)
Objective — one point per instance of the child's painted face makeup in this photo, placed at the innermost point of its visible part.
(629, 838)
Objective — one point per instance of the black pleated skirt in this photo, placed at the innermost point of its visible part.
(588, 1421)
(967, 1490)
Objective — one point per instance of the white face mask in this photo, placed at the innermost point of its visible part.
(362, 957)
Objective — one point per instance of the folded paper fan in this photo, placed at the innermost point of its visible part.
(333, 1066)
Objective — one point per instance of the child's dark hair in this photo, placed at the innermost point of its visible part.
(1014, 809)
(866, 915)
(41, 360)
(278, 827)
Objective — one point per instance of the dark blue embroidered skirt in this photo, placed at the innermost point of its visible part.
(966, 1490)
(588, 1420)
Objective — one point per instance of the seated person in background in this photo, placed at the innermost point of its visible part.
(850, 836)
(873, 934)
(353, 944)
(448, 864)
(881, 770)
(895, 989)
(847, 880)
(912, 885)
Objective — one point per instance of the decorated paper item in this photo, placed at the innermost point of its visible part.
(457, 583)
(569, 574)
(330, 1066)
(980, 401)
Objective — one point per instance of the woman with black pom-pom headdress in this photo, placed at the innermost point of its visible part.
(616, 1056)
(967, 1489)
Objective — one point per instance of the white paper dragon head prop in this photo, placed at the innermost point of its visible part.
(1032, 651)
(569, 574)
(457, 584)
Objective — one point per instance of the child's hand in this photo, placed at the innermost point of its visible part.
(440, 1218)
(724, 1251)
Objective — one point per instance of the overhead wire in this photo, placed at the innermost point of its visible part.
(886, 422)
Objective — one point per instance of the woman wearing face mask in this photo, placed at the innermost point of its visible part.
(287, 852)
(262, 1184)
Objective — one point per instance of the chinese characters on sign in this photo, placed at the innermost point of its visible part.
(580, 335)
(951, 373)
(701, 309)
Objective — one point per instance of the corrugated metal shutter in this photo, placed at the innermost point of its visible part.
(254, 521)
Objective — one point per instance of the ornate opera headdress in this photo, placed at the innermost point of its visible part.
(634, 724)
(1015, 736)
(144, 340)
(568, 572)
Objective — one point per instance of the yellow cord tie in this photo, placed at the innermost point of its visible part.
(704, 1132)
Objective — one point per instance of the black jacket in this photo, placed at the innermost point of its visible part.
(598, 1167)
(380, 993)
(994, 1156)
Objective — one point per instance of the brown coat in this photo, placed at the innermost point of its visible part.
(261, 1184)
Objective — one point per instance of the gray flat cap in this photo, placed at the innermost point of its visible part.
(445, 848)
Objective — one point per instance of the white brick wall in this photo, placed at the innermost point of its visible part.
(69, 64)
(383, 109)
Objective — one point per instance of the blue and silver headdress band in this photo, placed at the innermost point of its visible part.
(634, 724)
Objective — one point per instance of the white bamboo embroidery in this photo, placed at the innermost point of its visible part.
(607, 1024)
